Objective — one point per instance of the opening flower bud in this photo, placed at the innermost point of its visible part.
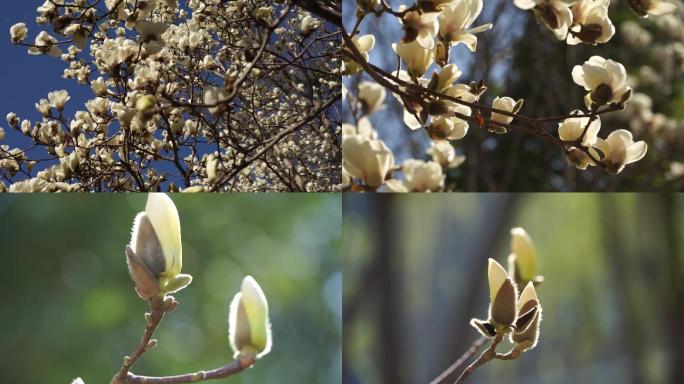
(154, 255)
(249, 329)
(503, 296)
(523, 259)
(526, 333)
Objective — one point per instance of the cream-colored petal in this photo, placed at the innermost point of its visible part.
(496, 275)
(525, 252)
(662, 8)
(528, 294)
(163, 215)
(635, 152)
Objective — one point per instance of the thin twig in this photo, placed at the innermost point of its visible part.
(462, 359)
(486, 356)
(155, 316)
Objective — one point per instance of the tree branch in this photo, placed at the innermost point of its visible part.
(236, 366)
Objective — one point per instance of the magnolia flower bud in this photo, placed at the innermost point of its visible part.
(502, 293)
(505, 104)
(154, 254)
(523, 259)
(145, 102)
(526, 331)
(18, 32)
(249, 329)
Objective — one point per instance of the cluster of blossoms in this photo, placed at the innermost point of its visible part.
(658, 52)
(190, 95)
(513, 314)
(435, 102)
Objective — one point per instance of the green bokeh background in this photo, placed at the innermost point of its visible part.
(68, 306)
(415, 273)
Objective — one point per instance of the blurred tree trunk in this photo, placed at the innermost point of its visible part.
(675, 302)
(388, 321)
(618, 258)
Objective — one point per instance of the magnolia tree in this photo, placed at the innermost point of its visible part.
(425, 81)
(196, 95)
(513, 315)
(154, 258)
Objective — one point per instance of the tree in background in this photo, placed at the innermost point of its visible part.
(192, 95)
(461, 139)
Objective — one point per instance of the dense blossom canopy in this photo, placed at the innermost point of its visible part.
(196, 95)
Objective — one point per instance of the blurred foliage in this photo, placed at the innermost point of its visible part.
(614, 285)
(69, 309)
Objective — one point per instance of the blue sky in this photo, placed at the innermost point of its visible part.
(26, 79)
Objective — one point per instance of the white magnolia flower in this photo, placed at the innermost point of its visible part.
(447, 76)
(2, 134)
(18, 32)
(455, 21)
(43, 106)
(571, 129)
(58, 99)
(591, 23)
(606, 81)
(45, 44)
(444, 154)
(213, 96)
(31, 185)
(263, 13)
(362, 128)
(99, 86)
(644, 8)
(417, 58)
(364, 44)
(366, 159)
(555, 14)
(505, 104)
(423, 176)
(249, 328)
(371, 96)
(12, 119)
(420, 27)
(309, 24)
(150, 35)
(449, 128)
(619, 149)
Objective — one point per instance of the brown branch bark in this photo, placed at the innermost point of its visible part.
(236, 366)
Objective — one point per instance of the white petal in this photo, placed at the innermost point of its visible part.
(496, 275)
(635, 152)
(663, 8)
